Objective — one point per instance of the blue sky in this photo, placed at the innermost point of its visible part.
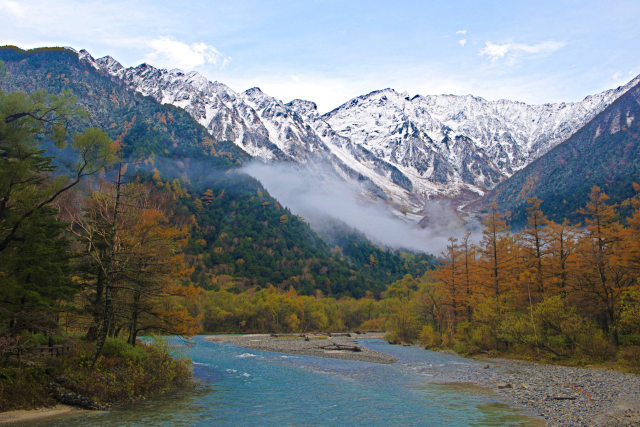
(331, 51)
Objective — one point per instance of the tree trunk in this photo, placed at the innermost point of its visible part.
(133, 331)
(97, 308)
(109, 266)
(104, 327)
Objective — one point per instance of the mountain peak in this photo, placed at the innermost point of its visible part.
(602, 153)
(254, 92)
(85, 56)
(109, 64)
(382, 92)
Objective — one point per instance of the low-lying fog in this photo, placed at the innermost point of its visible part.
(320, 195)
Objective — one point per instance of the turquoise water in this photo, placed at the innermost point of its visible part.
(249, 387)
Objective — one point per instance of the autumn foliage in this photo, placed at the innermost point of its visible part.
(558, 290)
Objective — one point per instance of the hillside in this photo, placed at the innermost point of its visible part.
(153, 130)
(605, 152)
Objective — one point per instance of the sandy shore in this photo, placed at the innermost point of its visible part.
(336, 346)
(24, 415)
(560, 395)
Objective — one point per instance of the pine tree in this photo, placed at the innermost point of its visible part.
(562, 240)
(29, 189)
(468, 259)
(449, 275)
(26, 183)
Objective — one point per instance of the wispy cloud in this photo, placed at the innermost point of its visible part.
(462, 42)
(497, 51)
(171, 53)
(463, 32)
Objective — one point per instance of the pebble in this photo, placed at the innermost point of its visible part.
(562, 396)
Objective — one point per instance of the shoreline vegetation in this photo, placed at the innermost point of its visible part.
(83, 256)
(34, 386)
(559, 395)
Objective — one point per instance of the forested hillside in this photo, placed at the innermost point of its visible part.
(151, 129)
(238, 229)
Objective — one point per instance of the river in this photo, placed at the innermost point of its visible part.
(249, 387)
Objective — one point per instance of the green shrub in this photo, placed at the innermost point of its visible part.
(23, 387)
(125, 373)
(517, 329)
(36, 339)
(595, 344)
(629, 339)
(565, 333)
(403, 327)
(114, 347)
(629, 311)
(461, 348)
(429, 338)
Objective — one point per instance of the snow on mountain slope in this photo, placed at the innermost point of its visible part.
(262, 125)
(460, 141)
(401, 149)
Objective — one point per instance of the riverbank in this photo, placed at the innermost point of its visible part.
(562, 396)
(336, 346)
(27, 415)
(57, 384)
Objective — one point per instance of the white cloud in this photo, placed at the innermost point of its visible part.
(463, 32)
(12, 7)
(496, 51)
(462, 42)
(170, 53)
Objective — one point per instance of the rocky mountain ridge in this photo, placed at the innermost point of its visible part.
(402, 149)
(604, 153)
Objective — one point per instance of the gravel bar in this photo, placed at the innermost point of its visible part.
(561, 395)
(336, 346)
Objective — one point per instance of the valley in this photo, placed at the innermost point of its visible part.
(142, 203)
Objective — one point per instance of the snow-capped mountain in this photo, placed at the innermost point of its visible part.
(460, 141)
(403, 149)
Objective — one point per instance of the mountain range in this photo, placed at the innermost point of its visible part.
(400, 148)
(404, 150)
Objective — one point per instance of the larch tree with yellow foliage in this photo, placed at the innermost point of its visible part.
(599, 278)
